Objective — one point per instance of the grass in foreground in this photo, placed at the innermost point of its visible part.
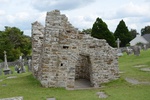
(28, 87)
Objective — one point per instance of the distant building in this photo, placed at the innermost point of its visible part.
(145, 39)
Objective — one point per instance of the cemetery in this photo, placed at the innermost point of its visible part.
(132, 82)
(62, 57)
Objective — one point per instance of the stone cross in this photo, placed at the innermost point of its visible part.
(6, 68)
(5, 63)
(118, 42)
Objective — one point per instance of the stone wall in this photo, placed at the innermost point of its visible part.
(37, 41)
(61, 54)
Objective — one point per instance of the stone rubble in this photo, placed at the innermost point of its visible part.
(62, 54)
(102, 95)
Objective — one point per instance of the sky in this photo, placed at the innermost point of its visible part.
(81, 13)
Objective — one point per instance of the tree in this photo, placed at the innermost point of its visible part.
(145, 30)
(14, 43)
(87, 31)
(101, 31)
(123, 34)
(133, 33)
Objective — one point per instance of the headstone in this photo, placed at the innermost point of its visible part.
(16, 68)
(0, 71)
(128, 51)
(136, 50)
(19, 70)
(22, 67)
(23, 70)
(51, 99)
(119, 52)
(6, 69)
(29, 65)
(144, 47)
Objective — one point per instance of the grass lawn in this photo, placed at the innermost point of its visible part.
(28, 87)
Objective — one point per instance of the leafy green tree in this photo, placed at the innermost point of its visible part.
(101, 31)
(145, 30)
(123, 34)
(87, 31)
(133, 33)
(14, 43)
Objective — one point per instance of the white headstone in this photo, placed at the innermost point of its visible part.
(6, 69)
(119, 52)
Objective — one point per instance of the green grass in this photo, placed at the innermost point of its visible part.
(25, 85)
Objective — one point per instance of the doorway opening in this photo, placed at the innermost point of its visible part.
(83, 72)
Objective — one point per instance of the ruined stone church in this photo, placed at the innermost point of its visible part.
(61, 54)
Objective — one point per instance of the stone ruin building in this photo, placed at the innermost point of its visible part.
(61, 54)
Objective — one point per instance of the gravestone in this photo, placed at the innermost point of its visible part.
(119, 52)
(16, 68)
(128, 51)
(6, 69)
(21, 65)
(29, 65)
(51, 99)
(0, 71)
(144, 47)
(136, 50)
(23, 70)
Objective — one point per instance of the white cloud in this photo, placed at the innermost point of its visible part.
(81, 13)
(27, 32)
(132, 10)
(10, 19)
(2, 12)
(48, 5)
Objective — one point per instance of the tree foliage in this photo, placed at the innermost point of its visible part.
(101, 31)
(133, 33)
(145, 30)
(14, 43)
(123, 34)
(87, 31)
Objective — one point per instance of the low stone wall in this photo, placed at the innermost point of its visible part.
(13, 63)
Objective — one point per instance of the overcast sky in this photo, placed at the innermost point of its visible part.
(81, 13)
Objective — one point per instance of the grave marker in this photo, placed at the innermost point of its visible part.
(29, 65)
(119, 52)
(128, 51)
(136, 50)
(6, 69)
(0, 71)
